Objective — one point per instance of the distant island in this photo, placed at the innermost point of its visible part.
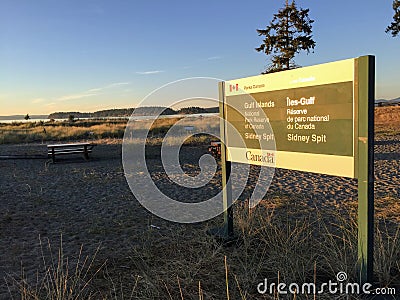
(140, 111)
(148, 111)
(384, 102)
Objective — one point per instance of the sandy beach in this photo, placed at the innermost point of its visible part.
(89, 203)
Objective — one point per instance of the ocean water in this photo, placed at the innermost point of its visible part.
(110, 118)
(28, 121)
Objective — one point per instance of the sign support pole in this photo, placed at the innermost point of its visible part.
(226, 170)
(365, 73)
(224, 234)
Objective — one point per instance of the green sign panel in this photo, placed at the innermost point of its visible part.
(302, 119)
(316, 119)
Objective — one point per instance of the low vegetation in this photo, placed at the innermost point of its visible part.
(387, 121)
(73, 130)
(59, 131)
(283, 239)
(388, 116)
(139, 111)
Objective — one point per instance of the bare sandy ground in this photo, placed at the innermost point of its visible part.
(90, 203)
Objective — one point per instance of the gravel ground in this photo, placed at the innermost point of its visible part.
(90, 203)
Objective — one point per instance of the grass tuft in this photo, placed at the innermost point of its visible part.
(58, 279)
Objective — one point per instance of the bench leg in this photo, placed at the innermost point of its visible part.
(53, 155)
(86, 153)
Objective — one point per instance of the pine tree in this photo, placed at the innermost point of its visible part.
(288, 33)
(394, 28)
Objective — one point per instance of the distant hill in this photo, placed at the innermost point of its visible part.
(384, 102)
(127, 112)
(123, 112)
(153, 111)
(212, 110)
(197, 110)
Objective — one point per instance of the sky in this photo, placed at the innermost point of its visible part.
(75, 55)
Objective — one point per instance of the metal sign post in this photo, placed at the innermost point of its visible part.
(226, 171)
(225, 233)
(365, 71)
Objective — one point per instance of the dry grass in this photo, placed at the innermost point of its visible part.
(283, 239)
(387, 121)
(102, 129)
(387, 115)
(59, 278)
(59, 131)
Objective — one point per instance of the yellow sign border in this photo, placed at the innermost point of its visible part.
(333, 72)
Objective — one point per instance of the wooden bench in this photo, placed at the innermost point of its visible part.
(64, 149)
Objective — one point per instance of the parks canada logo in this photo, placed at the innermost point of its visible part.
(263, 158)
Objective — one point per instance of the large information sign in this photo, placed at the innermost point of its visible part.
(310, 110)
(317, 119)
